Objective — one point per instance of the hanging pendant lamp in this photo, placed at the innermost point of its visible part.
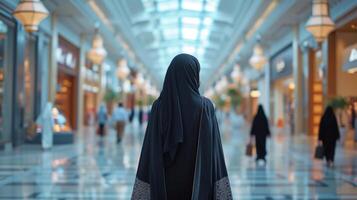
(258, 59)
(320, 23)
(122, 70)
(97, 53)
(236, 74)
(30, 13)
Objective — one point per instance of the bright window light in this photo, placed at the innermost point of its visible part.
(192, 5)
(189, 33)
(189, 49)
(170, 33)
(207, 21)
(191, 20)
(211, 6)
(168, 21)
(204, 34)
(167, 5)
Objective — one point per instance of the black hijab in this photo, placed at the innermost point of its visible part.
(181, 84)
(170, 116)
(260, 126)
(328, 130)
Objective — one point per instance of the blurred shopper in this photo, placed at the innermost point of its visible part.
(329, 134)
(260, 130)
(141, 116)
(120, 117)
(102, 116)
(182, 156)
(131, 115)
(46, 121)
(353, 116)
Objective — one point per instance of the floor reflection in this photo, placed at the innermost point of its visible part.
(102, 169)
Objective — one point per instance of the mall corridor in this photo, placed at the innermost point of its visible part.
(135, 99)
(89, 169)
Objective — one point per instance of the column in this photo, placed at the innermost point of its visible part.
(53, 69)
(298, 77)
(267, 86)
(80, 83)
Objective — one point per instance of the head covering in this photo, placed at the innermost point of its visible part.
(329, 130)
(181, 84)
(174, 148)
(260, 126)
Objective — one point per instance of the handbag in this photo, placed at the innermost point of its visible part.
(249, 149)
(319, 152)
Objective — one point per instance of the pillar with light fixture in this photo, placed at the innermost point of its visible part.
(30, 13)
(320, 23)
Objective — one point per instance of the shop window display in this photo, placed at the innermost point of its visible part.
(6, 53)
(3, 34)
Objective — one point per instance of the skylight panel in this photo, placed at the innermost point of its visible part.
(188, 49)
(192, 5)
(170, 33)
(191, 20)
(207, 21)
(211, 6)
(189, 33)
(204, 34)
(168, 21)
(167, 5)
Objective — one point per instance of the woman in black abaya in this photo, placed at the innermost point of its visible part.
(329, 134)
(260, 130)
(182, 156)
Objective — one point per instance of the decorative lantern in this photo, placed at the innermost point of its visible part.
(123, 70)
(30, 13)
(236, 75)
(254, 93)
(139, 80)
(258, 59)
(320, 23)
(97, 53)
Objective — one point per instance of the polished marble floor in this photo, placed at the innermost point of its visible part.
(93, 169)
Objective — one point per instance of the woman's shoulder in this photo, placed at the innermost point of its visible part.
(207, 104)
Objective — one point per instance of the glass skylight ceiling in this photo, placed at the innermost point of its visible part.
(184, 26)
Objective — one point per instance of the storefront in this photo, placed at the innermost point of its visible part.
(91, 89)
(7, 51)
(23, 76)
(282, 88)
(64, 112)
(341, 76)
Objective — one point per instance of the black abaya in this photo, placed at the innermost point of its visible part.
(260, 129)
(329, 133)
(182, 156)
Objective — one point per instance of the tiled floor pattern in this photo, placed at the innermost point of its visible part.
(91, 169)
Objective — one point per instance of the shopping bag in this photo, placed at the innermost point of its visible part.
(319, 152)
(249, 150)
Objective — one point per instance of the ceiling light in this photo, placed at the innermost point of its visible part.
(236, 74)
(123, 69)
(320, 23)
(254, 93)
(97, 53)
(258, 59)
(30, 13)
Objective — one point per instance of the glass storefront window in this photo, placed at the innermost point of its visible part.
(3, 34)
